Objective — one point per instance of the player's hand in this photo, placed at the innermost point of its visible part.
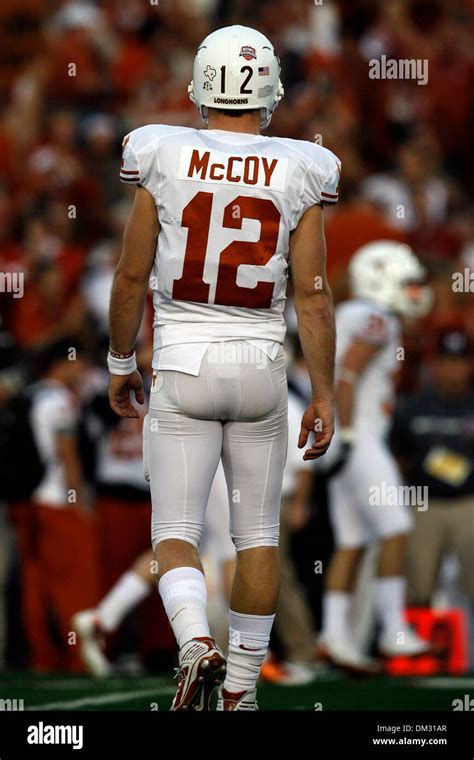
(119, 393)
(318, 419)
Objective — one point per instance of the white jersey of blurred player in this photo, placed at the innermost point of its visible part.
(358, 320)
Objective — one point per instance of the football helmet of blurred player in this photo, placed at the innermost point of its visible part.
(389, 274)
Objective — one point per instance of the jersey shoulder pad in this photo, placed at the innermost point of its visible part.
(322, 171)
(138, 146)
(327, 168)
(367, 322)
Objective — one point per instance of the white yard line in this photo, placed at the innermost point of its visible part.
(444, 683)
(66, 683)
(83, 683)
(105, 699)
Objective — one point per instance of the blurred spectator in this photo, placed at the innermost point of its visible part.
(414, 173)
(56, 531)
(47, 311)
(433, 437)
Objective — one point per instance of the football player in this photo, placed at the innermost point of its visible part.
(387, 283)
(218, 215)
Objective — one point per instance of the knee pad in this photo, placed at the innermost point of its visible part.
(186, 532)
(253, 540)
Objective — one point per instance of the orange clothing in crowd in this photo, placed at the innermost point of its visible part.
(60, 576)
(351, 227)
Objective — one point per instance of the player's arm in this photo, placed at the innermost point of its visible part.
(127, 301)
(314, 310)
(355, 361)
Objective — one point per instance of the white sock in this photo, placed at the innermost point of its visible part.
(390, 603)
(336, 615)
(184, 595)
(128, 591)
(248, 644)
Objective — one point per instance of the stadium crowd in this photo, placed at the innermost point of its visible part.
(76, 77)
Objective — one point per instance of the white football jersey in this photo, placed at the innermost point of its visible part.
(226, 203)
(358, 320)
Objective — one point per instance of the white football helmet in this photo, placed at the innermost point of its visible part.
(236, 68)
(389, 274)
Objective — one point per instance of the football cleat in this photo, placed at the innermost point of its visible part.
(344, 654)
(202, 667)
(241, 701)
(92, 643)
(403, 643)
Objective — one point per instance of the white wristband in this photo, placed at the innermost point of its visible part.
(121, 366)
(346, 434)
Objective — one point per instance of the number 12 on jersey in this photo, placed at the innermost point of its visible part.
(197, 218)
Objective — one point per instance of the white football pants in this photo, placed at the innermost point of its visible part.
(359, 510)
(235, 411)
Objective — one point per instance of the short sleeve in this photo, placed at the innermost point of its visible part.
(330, 189)
(371, 327)
(321, 185)
(129, 168)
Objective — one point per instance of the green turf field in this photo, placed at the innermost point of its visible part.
(330, 691)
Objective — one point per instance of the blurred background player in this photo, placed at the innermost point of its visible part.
(205, 406)
(387, 282)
